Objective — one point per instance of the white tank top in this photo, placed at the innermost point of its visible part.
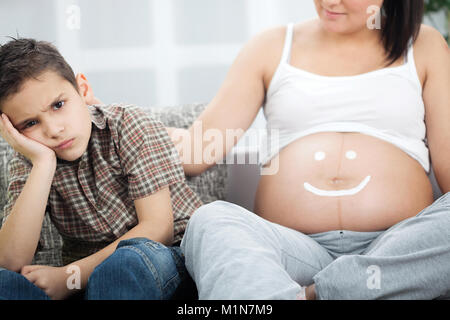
(385, 103)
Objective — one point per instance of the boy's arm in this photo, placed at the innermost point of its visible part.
(21, 231)
(155, 221)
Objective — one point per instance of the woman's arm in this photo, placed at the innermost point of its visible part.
(236, 104)
(436, 95)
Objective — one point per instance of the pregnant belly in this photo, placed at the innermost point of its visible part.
(342, 181)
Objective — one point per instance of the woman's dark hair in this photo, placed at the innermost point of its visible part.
(23, 59)
(402, 20)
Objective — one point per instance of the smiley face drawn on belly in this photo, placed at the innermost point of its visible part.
(351, 155)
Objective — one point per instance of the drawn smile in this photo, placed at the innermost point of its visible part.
(337, 193)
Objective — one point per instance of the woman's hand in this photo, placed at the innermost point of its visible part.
(31, 149)
(52, 280)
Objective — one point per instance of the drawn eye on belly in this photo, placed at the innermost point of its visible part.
(351, 155)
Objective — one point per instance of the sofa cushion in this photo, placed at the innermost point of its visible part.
(5, 154)
(210, 186)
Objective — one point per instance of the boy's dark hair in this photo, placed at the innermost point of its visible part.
(22, 59)
(402, 22)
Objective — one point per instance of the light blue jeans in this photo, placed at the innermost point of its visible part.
(138, 269)
(231, 253)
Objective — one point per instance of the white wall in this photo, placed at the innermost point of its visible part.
(149, 52)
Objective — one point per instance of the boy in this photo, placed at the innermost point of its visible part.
(109, 175)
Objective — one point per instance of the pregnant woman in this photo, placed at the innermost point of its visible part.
(349, 214)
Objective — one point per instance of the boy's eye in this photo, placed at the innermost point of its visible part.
(58, 105)
(29, 124)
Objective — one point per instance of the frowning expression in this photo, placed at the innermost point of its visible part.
(49, 110)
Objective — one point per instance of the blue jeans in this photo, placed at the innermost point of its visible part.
(141, 269)
(138, 269)
(14, 286)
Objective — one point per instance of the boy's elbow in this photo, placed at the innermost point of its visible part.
(163, 234)
(12, 264)
(10, 260)
(168, 239)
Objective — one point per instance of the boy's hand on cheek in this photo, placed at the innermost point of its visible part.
(31, 149)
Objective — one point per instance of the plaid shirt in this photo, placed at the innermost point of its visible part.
(129, 156)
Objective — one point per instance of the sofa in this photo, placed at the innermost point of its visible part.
(229, 181)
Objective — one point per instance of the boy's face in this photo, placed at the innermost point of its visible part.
(50, 111)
